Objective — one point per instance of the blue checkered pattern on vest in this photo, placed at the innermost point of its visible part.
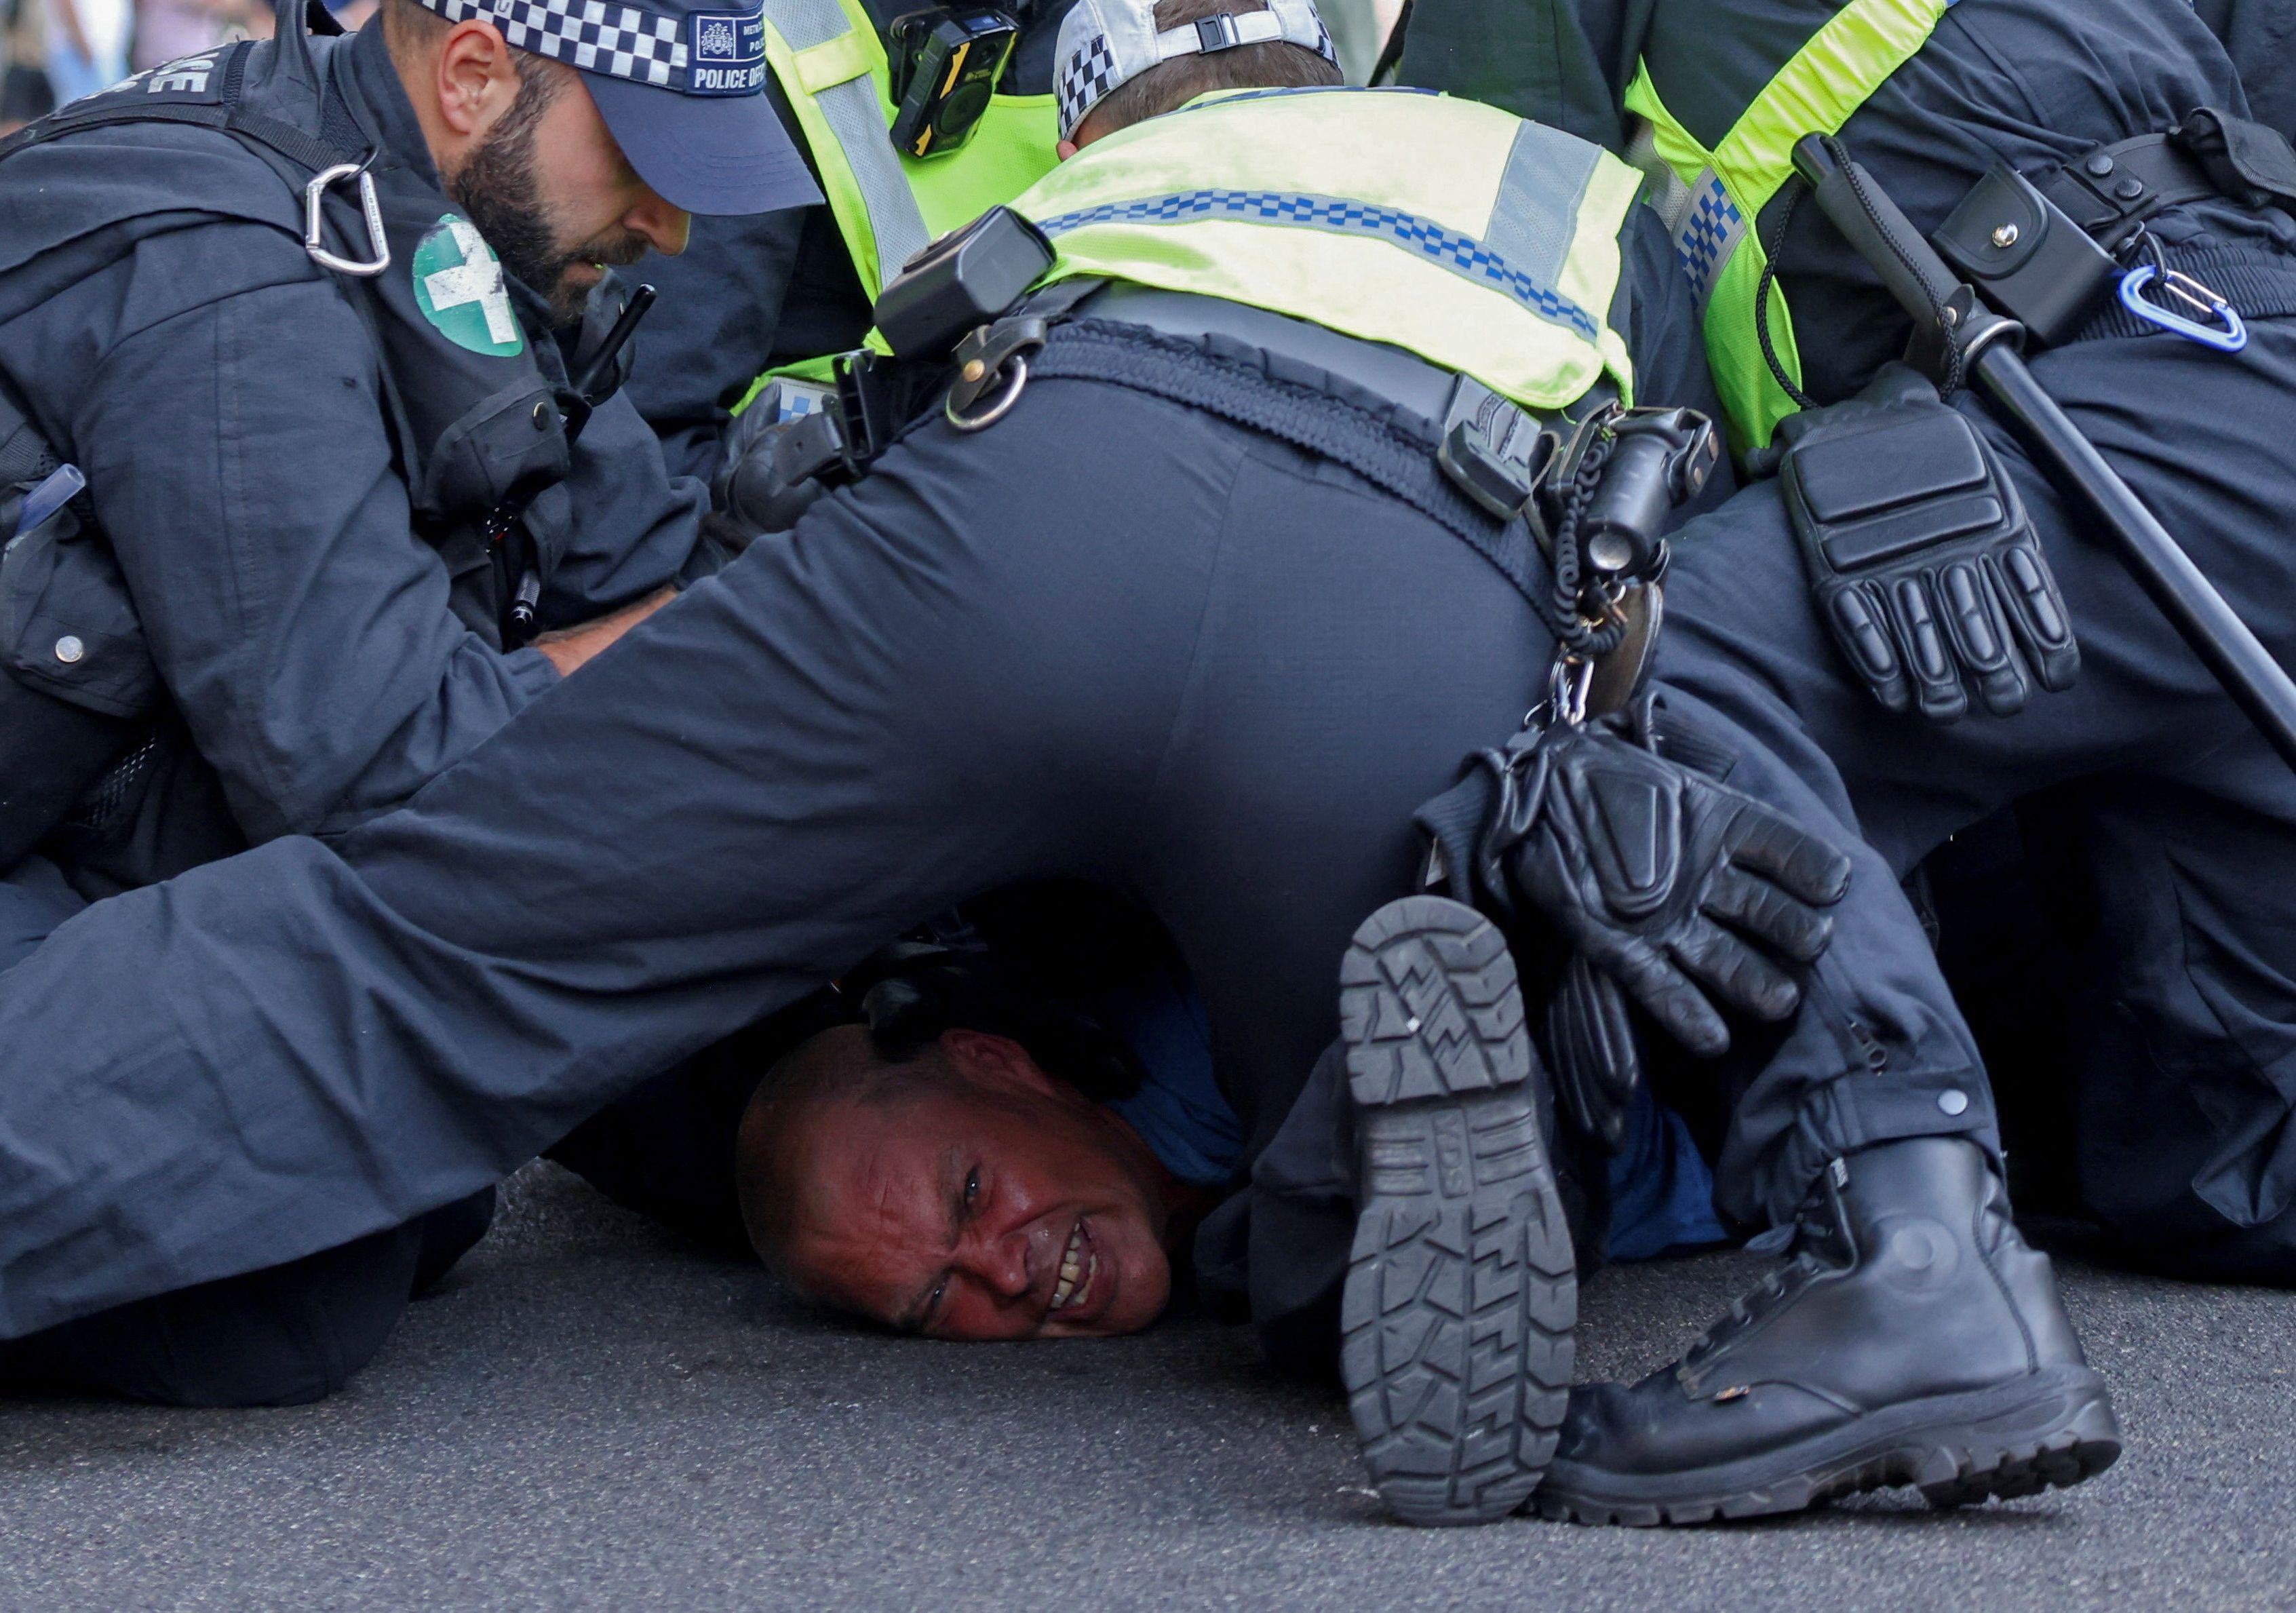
(1462, 254)
(1708, 236)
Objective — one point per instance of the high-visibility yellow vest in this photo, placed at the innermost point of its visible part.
(1831, 77)
(829, 61)
(831, 64)
(1484, 244)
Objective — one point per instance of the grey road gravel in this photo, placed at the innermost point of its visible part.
(592, 1414)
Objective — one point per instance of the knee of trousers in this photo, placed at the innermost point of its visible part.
(285, 1336)
(448, 1234)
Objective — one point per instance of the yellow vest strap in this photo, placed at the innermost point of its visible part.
(832, 63)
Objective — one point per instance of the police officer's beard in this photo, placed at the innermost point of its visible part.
(498, 187)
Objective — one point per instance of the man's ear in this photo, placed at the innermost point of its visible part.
(1065, 150)
(477, 79)
(998, 1063)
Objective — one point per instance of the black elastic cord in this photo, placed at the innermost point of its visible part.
(1577, 631)
(1762, 295)
(1952, 381)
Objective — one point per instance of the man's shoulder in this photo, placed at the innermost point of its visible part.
(175, 217)
(147, 165)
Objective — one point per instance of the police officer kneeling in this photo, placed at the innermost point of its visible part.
(1197, 584)
(295, 475)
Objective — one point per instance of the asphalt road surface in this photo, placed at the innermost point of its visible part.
(591, 1414)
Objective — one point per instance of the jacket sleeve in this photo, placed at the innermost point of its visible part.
(624, 525)
(1561, 62)
(239, 464)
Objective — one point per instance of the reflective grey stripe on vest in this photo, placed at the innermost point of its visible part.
(1536, 211)
(858, 121)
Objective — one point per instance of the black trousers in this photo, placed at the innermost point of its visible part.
(2178, 820)
(284, 1335)
(1113, 638)
(2088, 946)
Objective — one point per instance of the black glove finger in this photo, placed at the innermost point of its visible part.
(1665, 991)
(1861, 627)
(2036, 615)
(1763, 841)
(1591, 1052)
(1761, 911)
(1977, 623)
(1736, 973)
(1929, 661)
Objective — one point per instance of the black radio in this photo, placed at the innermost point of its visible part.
(946, 62)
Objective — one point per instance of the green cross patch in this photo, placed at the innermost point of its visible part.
(458, 284)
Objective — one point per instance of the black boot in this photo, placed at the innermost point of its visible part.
(1912, 1338)
(1461, 1291)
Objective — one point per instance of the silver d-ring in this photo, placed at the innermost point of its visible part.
(1016, 376)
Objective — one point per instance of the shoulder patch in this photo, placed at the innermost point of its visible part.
(458, 285)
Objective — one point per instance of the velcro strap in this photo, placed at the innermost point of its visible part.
(2111, 189)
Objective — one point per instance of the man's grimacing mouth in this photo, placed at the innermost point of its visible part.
(1080, 1265)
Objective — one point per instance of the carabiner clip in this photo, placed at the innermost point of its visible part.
(2229, 336)
(1567, 681)
(314, 227)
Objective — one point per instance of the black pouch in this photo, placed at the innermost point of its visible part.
(77, 679)
(2251, 162)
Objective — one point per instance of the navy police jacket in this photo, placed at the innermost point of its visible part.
(226, 402)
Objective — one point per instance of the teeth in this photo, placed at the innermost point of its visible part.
(1071, 1268)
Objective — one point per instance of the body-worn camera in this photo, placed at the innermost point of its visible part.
(946, 64)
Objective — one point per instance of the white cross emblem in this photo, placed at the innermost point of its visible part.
(477, 278)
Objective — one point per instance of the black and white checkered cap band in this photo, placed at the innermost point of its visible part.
(628, 42)
(1116, 40)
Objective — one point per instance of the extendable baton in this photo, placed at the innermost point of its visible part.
(1948, 311)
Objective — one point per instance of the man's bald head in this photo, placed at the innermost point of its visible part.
(961, 1191)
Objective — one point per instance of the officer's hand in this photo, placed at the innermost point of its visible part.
(770, 472)
(570, 647)
(1926, 566)
(1678, 888)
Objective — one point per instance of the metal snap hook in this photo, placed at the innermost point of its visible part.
(1567, 683)
(2229, 336)
(314, 225)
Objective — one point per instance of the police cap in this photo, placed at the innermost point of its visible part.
(681, 83)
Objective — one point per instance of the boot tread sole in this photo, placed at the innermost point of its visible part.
(1462, 1288)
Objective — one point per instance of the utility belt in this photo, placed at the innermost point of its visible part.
(2071, 259)
(1592, 484)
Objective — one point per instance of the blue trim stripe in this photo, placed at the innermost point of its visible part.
(1462, 255)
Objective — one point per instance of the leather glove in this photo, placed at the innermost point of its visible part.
(1588, 1043)
(1925, 564)
(771, 471)
(1659, 882)
(1668, 883)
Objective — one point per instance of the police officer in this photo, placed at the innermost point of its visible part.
(2179, 807)
(781, 291)
(1201, 469)
(336, 473)
(1171, 589)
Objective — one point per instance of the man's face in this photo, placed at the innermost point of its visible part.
(999, 1205)
(552, 194)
